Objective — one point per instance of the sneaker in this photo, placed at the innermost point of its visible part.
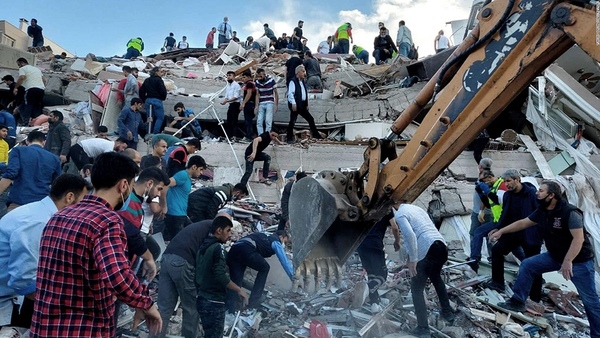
(245, 139)
(513, 305)
(421, 332)
(265, 181)
(491, 284)
(448, 315)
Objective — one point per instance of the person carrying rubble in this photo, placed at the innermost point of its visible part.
(251, 251)
(519, 202)
(372, 256)
(135, 46)
(177, 276)
(569, 251)
(427, 253)
(204, 203)
(212, 280)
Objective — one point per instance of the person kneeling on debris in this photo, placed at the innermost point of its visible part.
(372, 256)
(212, 280)
(570, 252)
(251, 251)
(427, 253)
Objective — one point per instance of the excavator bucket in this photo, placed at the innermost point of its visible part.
(322, 242)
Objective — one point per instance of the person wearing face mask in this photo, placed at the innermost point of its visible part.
(519, 201)
(204, 203)
(569, 251)
(233, 96)
(58, 140)
(83, 263)
(383, 46)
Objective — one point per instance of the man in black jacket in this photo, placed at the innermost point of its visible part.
(58, 140)
(383, 46)
(297, 97)
(204, 203)
(153, 92)
(255, 152)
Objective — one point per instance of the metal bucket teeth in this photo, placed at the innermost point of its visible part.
(315, 274)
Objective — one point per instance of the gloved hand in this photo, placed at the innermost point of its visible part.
(485, 188)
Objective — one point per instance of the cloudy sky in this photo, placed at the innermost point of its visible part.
(104, 27)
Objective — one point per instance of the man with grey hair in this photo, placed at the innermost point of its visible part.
(519, 202)
(570, 252)
(297, 97)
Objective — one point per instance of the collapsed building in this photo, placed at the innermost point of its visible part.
(561, 110)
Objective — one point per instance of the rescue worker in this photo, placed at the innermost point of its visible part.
(251, 251)
(135, 46)
(360, 53)
(341, 36)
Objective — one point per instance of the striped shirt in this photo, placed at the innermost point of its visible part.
(266, 89)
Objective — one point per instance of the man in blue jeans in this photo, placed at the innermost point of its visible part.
(569, 251)
(153, 92)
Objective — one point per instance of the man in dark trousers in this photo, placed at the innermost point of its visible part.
(255, 152)
(204, 203)
(129, 120)
(285, 201)
(251, 251)
(35, 32)
(178, 269)
(212, 280)
(58, 140)
(383, 46)
(570, 252)
(372, 256)
(233, 97)
(519, 202)
(290, 66)
(297, 97)
(153, 92)
(249, 104)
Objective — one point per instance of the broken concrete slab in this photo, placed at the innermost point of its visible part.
(9, 56)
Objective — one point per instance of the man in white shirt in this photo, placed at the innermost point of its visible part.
(85, 151)
(33, 81)
(233, 96)
(183, 44)
(324, 46)
(441, 42)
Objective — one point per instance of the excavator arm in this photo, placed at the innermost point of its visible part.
(513, 43)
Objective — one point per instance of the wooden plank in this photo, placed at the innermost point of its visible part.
(539, 321)
(377, 317)
(246, 67)
(539, 158)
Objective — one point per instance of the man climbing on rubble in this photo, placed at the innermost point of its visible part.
(313, 72)
(34, 83)
(204, 203)
(212, 280)
(490, 191)
(58, 140)
(177, 197)
(30, 171)
(15, 101)
(83, 265)
(135, 46)
(372, 256)
(234, 98)
(153, 92)
(290, 65)
(85, 151)
(285, 200)
(251, 251)
(20, 232)
(255, 153)
(297, 97)
(427, 253)
(178, 274)
(129, 121)
(569, 251)
(519, 202)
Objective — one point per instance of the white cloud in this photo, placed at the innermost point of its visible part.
(424, 18)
